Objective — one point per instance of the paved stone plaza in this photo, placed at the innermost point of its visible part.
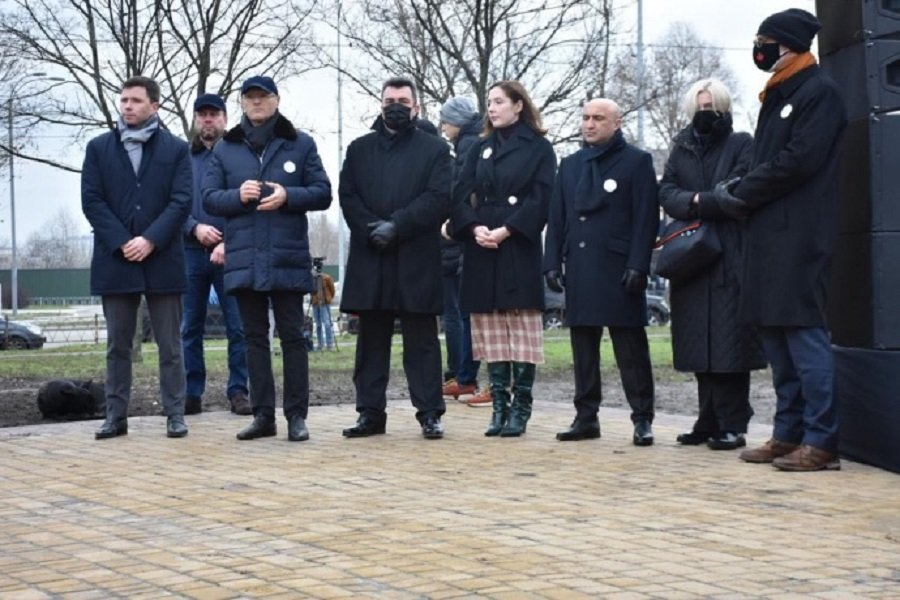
(396, 516)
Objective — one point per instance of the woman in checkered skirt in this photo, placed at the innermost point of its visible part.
(500, 206)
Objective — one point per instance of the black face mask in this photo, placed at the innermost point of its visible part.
(704, 120)
(766, 55)
(397, 116)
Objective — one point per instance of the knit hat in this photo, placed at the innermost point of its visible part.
(794, 28)
(458, 111)
(209, 101)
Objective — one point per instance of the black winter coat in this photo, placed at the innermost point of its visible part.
(600, 228)
(451, 252)
(504, 183)
(404, 178)
(792, 190)
(121, 205)
(707, 334)
(267, 250)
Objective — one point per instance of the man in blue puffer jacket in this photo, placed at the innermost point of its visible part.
(263, 177)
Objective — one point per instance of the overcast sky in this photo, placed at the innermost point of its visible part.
(41, 191)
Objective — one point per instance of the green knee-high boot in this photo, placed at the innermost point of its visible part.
(499, 374)
(520, 411)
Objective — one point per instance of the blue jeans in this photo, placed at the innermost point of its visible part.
(322, 316)
(201, 274)
(452, 324)
(803, 375)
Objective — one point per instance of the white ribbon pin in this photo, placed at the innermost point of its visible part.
(513, 200)
(487, 153)
(610, 185)
(289, 166)
(786, 111)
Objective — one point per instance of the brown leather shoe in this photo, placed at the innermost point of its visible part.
(482, 398)
(452, 388)
(768, 452)
(240, 404)
(808, 458)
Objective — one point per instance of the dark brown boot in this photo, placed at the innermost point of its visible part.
(240, 404)
(768, 452)
(808, 458)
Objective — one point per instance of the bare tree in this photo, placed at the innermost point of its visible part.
(188, 46)
(460, 47)
(57, 244)
(323, 237)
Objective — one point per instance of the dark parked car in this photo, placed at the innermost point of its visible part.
(214, 329)
(555, 309)
(20, 335)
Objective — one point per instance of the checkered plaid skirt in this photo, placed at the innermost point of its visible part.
(510, 335)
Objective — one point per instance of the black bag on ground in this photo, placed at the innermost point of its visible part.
(72, 399)
(686, 249)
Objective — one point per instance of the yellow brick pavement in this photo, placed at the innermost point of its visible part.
(396, 516)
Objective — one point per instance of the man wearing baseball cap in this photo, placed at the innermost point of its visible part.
(204, 250)
(789, 198)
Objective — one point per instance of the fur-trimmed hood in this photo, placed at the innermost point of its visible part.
(283, 129)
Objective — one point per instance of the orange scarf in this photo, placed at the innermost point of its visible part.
(800, 62)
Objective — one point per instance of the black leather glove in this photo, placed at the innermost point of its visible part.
(634, 281)
(555, 280)
(727, 202)
(382, 234)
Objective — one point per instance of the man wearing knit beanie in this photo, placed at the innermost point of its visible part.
(789, 200)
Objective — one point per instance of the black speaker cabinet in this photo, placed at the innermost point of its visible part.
(869, 180)
(864, 299)
(869, 76)
(847, 22)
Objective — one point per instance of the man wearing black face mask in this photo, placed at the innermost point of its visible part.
(394, 192)
(790, 198)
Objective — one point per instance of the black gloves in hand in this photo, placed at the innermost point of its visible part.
(555, 280)
(382, 234)
(729, 204)
(634, 281)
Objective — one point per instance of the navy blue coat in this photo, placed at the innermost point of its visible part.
(267, 251)
(404, 179)
(121, 205)
(792, 189)
(200, 156)
(508, 184)
(599, 230)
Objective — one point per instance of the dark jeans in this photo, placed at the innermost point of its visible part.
(633, 358)
(288, 311)
(201, 275)
(803, 375)
(724, 403)
(421, 362)
(121, 312)
(457, 334)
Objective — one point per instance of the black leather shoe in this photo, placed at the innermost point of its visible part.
(643, 434)
(693, 438)
(727, 440)
(260, 427)
(297, 431)
(366, 426)
(193, 405)
(175, 427)
(432, 428)
(580, 430)
(112, 428)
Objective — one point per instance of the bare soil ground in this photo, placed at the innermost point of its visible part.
(676, 393)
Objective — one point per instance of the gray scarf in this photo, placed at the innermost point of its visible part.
(133, 138)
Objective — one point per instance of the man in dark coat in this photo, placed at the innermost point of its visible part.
(204, 252)
(790, 194)
(136, 193)
(394, 189)
(603, 220)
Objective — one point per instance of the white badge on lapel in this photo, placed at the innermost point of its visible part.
(487, 153)
(786, 111)
(289, 166)
(610, 185)
(512, 200)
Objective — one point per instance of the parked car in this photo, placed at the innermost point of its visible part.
(658, 312)
(20, 335)
(214, 329)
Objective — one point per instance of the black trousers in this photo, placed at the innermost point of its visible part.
(633, 357)
(288, 310)
(724, 402)
(421, 362)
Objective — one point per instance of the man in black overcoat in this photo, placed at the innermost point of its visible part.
(790, 194)
(394, 192)
(603, 221)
